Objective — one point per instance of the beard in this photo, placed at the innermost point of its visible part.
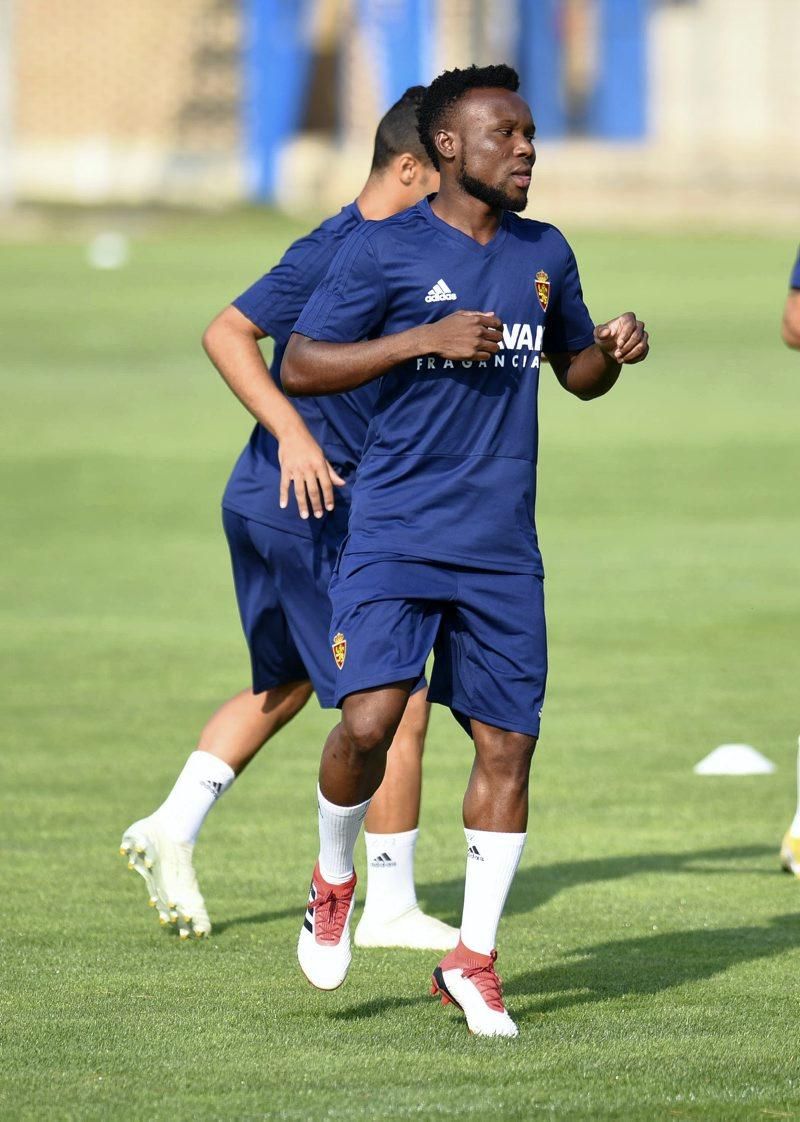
(486, 192)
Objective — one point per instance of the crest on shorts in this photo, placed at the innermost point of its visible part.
(339, 648)
(542, 286)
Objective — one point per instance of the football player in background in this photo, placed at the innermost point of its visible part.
(285, 513)
(790, 332)
(790, 327)
(790, 846)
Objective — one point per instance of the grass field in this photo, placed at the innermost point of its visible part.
(651, 948)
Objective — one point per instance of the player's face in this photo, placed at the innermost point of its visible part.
(496, 155)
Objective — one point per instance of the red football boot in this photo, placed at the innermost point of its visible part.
(469, 980)
(323, 948)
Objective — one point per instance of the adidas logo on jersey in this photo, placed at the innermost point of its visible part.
(440, 291)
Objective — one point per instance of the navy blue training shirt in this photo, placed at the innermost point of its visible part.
(338, 424)
(449, 465)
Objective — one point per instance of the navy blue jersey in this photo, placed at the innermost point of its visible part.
(449, 465)
(338, 424)
(795, 278)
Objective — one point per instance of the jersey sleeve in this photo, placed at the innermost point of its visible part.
(274, 302)
(350, 303)
(568, 326)
(794, 280)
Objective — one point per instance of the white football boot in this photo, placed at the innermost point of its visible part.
(413, 930)
(790, 854)
(468, 980)
(168, 871)
(323, 949)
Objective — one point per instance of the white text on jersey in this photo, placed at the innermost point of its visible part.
(517, 337)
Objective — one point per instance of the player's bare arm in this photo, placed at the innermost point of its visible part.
(231, 342)
(593, 371)
(312, 367)
(790, 327)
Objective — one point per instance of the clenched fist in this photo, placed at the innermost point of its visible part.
(463, 336)
(624, 339)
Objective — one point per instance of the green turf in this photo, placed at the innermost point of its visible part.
(650, 949)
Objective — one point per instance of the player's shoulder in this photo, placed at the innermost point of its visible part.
(534, 230)
(386, 231)
(331, 231)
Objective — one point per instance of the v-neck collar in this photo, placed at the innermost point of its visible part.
(459, 235)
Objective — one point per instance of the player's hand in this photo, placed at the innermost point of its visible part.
(303, 464)
(465, 335)
(624, 339)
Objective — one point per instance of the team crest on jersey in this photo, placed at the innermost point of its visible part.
(339, 648)
(542, 286)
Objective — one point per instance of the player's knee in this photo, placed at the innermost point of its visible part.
(409, 740)
(519, 754)
(297, 697)
(509, 756)
(368, 730)
(282, 703)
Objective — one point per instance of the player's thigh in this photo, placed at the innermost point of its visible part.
(386, 614)
(491, 659)
(274, 656)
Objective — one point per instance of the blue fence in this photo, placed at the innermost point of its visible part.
(279, 52)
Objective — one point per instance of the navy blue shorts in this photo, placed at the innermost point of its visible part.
(281, 583)
(282, 591)
(486, 629)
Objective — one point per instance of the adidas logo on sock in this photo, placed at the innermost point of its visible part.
(475, 853)
(440, 291)
(382, 861)
(212, 785)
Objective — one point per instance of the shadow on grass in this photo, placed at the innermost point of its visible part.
(649, 964)
(375, 1007)
(258, 918)
(534, 887)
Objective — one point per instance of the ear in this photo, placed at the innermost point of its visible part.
(407, 168)
(446, 144)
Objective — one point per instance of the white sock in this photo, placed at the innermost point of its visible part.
(338, 830)
(492, 861)
(794, 829)
(390, 874)
(203, 779)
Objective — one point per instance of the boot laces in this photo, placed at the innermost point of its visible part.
(487, 981)
(332, 908)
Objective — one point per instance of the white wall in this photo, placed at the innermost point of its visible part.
(726, 85)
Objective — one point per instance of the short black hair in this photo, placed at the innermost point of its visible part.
(448, 88)
(398, 131)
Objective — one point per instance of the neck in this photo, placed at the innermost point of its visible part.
(381, 198)
(472, 217)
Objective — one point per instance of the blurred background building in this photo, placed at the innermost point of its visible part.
(646, 109)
